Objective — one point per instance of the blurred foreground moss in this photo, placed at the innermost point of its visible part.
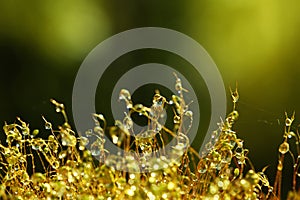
(79, 167)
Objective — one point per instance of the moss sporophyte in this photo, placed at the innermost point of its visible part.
(80, 167)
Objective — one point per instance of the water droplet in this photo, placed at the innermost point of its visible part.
(145, 141)
(34, 133)
(183, 139)
(232, 117)
(124, 95)
(114, 139)
(279, 166)
(176, 119)
(284, 148)
(240, 143)
(158, 102)
(178, 86)
(270, 189)
(234, 95)
(98, 130)
(291, 134)
(68, 140)
(142, 110)
(35, 147)
(59, 106)
(89, 133)
(58, 109)
(226, 156)
(25, 131)
(127, 122)
(95, 149)
(208, 146)
(158, 127)
(189, 114)
(101, 117)
(46, 150)
(288, 122)
(84, 141)
(38, 144)
(236, 172)
(202, 166)
(73, 140)
(62, 154)
(48, 126)
(214, 134)
(51, 138)
(55, 164)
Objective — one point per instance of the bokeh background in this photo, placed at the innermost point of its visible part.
(255, 43)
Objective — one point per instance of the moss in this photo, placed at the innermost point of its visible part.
(79, 167)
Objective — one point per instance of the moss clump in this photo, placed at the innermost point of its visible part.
(145, 170)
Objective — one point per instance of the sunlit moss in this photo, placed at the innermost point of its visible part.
(70, 170)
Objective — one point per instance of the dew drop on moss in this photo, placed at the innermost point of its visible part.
(284, 148)
(48, 125)
(95, 149)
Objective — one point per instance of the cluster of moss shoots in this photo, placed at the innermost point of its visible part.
(79, 167)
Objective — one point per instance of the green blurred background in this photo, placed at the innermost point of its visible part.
(255, 43)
